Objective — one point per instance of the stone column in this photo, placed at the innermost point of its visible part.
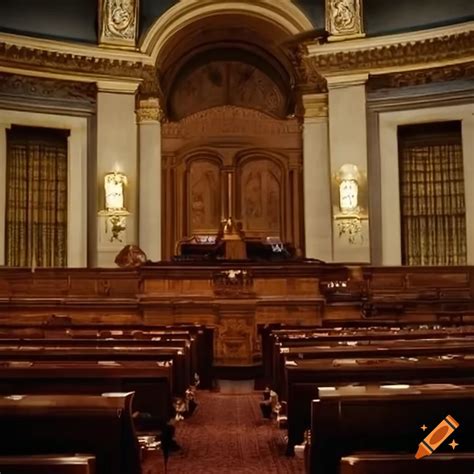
(149, 115)
(116, 151)
(317, 190)
(348, 145)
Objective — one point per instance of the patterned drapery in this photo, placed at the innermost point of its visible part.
(36, 213)
(432, 198)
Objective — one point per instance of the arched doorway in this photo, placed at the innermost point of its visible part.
(231, 144)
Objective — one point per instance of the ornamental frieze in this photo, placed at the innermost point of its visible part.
(15, 85)
(22, 57)
(454, 72)
(438, 49)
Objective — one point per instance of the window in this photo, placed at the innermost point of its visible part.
(36, 204)
(433, 217)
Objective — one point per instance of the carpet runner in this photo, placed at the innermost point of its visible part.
(227, 434)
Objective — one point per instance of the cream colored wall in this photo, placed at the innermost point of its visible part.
(116, 151)
(390, 199)
(348, 144)
(77, 177)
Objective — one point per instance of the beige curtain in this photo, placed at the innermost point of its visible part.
(432, 200)
(36, 217)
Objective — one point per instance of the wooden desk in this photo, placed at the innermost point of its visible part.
(351, 419)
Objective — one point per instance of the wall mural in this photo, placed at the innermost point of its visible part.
(204, 197)
(227, 83)
(260, 197)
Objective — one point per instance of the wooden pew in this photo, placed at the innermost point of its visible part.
(65, 350)
(99, 425)
(368, 349)
(305, 376)
(304, 337)
(349, 419)
(150, 382)
(48, 464)
(377, 463)
(200, 338)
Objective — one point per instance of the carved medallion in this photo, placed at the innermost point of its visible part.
(118, 22)
(344, 19)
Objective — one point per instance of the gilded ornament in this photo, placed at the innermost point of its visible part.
(118, 22)
(149, 110)
(344, 19)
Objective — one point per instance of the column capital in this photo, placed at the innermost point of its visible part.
(149, 110)
(315, 105)
(347, 80)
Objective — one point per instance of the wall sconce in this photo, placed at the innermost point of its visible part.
(349, 218)
(115, 212)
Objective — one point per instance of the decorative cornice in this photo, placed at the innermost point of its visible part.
(453, 72)
(432, 50)
(14, 85)
(71, 66)
(315, 106)
(149, 110)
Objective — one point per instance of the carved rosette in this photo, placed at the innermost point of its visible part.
(118, 23)
(344, 19)
(149, 110)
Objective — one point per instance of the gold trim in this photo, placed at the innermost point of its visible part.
(149, 110)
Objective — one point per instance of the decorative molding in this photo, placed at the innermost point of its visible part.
(433, 50)
(282, 13)
(308, 78)
(344, 19)
(14, 85)
(338, 82)
(149, 110)
(229, 120)
(70, 66)
(422, 77)
(118, 23)
(315, 105)
(117, 87)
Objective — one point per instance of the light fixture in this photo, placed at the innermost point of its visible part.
(115, 212)
(349, 218)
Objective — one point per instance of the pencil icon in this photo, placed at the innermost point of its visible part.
(436, 437)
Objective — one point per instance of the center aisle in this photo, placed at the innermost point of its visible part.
(227, 434)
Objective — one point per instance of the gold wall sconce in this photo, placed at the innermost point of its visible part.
(115, 212)
(350, 210)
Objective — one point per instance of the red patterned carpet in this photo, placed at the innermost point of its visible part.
(227, 434)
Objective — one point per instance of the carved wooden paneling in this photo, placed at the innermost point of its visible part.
(203, 196)
(219, 83)
(261, 197)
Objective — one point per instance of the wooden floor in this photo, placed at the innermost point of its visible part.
(227, 434)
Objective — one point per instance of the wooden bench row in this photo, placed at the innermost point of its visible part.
(100, 426)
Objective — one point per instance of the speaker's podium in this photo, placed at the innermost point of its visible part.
(233, 239)
(235, 283)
